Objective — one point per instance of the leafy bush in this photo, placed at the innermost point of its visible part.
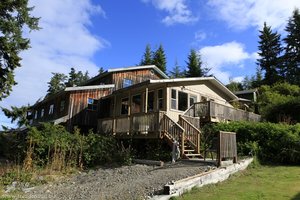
(278, 143)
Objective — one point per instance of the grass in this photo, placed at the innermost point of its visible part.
(259, 183)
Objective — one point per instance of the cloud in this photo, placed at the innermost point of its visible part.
(242, 14)
(178, 11)
(218, 57)
(63, 42)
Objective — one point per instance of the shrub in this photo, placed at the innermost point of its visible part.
(278, 143)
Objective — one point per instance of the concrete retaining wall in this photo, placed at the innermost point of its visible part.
(211, 177)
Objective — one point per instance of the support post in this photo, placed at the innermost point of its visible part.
(146, 100)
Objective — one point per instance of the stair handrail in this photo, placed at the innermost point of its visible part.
(195, 142)
(165, 127)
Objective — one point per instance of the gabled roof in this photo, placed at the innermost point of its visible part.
(181, 81)
(109, 71)
(246, 91)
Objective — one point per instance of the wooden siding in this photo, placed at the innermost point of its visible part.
(79, 114)
(106, 79)
(57, 112)
(137, 76)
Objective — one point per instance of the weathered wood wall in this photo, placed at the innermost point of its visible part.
(79, 114)
(136, 76)
(57, 113)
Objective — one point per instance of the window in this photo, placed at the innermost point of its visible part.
(92, 104)
(35, 114)
(42, 112)
(124, 106)
(127, 82)
(150, 101)
(173, 99)
(160, 99)
(51, 109)
(193, 99)
(182, 101)
(62, 106)
(136, 104)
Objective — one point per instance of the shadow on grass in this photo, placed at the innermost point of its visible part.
(297, 197)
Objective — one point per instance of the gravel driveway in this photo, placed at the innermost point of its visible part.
(127, 182)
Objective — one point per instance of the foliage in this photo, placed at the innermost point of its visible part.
(18, 114)
(60, 81)
(292, 49)
(147, 57)
(278, 143)
(76, 78)
(159, 58)
(234, 86)
(101, 70)
(269, 52)
(57, 83)
(14, 17)
(194, 65)
(176, 72)
(280, 103)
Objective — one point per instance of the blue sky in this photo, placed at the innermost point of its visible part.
(88, 34)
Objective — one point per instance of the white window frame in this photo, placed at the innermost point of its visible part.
(51, 109)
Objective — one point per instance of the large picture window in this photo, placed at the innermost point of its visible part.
(173, 99)
(150, 101)
(160, 99)
(124, 106)
(182, 101)
(136, 104)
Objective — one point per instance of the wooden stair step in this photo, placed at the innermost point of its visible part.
(193, 154)
(189, 150)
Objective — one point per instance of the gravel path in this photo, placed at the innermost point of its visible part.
(127, 182)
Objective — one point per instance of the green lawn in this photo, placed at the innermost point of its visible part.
(264, 182)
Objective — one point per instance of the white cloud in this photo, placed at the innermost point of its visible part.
(229, 54)
(63, 42)
(242, 14)
(178, 11)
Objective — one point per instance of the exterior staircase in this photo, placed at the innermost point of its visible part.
(185, 133)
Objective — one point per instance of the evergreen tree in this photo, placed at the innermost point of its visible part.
(147, 57)
(176, 72)
(194, 66)
(269, 52)
(234, 86)
(76, 78)
(159, 58)
(57, 83)
(292, 49)
(17, 114)
(101, 70)
(14, 17)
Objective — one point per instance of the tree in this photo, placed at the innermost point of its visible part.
(76, 78)
(14, 17)
(17, 114)
(57, 83)
(176, 72)
(159, 58)
(269, 52)
(147, 57)
(292, 49)
(194, 65)
(234, 86)
(101, 70)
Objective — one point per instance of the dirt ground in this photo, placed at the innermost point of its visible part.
(127, 182)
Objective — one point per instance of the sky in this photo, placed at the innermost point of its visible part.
(89, 34)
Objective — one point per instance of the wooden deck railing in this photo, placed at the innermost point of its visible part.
(174, 130)
(138, 122)
(223, 112)
(192, 133)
